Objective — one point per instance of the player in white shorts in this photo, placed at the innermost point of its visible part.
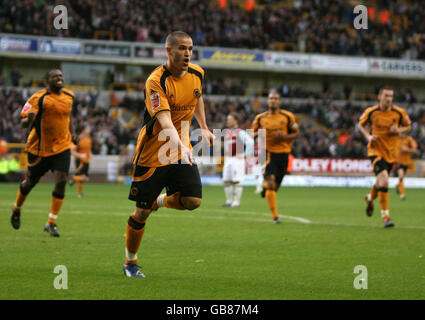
(237, 144)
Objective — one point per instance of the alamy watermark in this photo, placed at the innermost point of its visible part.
(61, 20)
(168, 152)
(360, 282)
(360, 21)
(61, 281)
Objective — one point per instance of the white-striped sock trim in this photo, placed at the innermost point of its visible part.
(385, 213)
(160, 200)
(130, 256)
(53, 216)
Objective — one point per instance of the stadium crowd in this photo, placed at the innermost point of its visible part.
(395, 28)
(331, 131)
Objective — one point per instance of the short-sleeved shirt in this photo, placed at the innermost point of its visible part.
(282, 120)
(49, 133)
(164, 92)
(386, 145)
(84, 146)
(404, 158)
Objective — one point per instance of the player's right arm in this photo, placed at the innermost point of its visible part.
(168, 128)
(256, 125)
(29, 111)
(412, 147)
(27, 121)
(363, 121)
(158, 107)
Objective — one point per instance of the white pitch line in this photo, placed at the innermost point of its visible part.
(302, 220)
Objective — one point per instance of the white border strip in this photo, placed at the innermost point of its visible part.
(320, 181)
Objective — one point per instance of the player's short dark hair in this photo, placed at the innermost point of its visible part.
(385, 87)
(173, 36)
(47, 75)
(234, 115)
(274, 91)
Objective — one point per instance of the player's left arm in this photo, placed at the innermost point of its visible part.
(405, 125)
(200, 117)
(412, 148)
(293, 133)
(74, 137)
(400, 130)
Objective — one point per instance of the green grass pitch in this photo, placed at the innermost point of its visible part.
(216, 253)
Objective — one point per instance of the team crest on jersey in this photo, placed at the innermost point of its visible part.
(26, 107)
(155, 101)
(197, 93)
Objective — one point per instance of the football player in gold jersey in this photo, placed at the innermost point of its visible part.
(281, 129)
(386, 123)
(82, 154)
(407, 147)
(48, 115)
(163, 156)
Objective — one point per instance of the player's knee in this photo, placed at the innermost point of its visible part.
(271, 185)
(191, 203)
(60, 187)
(58, 194)
(142, 214)
(27, 185)
(384, 182)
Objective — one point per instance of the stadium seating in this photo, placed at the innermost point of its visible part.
(322, 121)
(396, 28)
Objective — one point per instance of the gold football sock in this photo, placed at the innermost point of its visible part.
(272, 201)
(55, 207)
(134, 235)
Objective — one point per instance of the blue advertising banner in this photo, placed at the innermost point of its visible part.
(234, 57)
(18, 44)
(60, 46)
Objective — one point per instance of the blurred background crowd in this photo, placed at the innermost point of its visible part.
(395, 28)
(327, 129)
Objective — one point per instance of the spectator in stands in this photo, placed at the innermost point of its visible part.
(15, 76)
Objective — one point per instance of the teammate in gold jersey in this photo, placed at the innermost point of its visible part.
(387, 122)
(82, 153)
(407, 147)
(281, 129)
(48, 115)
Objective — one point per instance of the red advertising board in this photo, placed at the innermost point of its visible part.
(329, 165)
